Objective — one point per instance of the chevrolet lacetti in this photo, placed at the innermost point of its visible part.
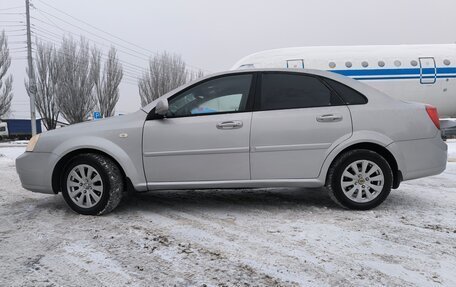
(243, 129)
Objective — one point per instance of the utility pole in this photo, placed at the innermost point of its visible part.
(31, 70)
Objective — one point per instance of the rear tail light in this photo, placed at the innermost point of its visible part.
(434, 115)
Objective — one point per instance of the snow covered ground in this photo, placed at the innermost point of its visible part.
(278, 237)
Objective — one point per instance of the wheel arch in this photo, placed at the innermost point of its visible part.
(378, 148)
(61, 164)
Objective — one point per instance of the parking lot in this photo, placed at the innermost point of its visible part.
(273, 237)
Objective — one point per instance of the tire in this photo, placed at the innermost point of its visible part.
(359, 190)
(92, 184)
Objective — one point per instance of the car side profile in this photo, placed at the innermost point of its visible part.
(243, 129)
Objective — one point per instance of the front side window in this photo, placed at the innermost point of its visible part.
(2, 129)
(291, 91)
(221, 95)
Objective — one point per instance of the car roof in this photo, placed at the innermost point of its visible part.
(354, 84)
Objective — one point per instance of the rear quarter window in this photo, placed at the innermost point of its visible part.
(350, 96)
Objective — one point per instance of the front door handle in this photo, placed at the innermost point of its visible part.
(229, 125)
(329, 118)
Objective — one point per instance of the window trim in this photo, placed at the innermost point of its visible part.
(248, 107)
(257, 101)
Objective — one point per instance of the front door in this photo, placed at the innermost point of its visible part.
(428, 70)
(295, 122)
(205, 136)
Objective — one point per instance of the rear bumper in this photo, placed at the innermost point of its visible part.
(420, 158)
(35, 171)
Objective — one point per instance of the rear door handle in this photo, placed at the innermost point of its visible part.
(229, 125)
(329, 118)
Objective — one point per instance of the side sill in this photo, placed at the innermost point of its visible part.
(310, 183)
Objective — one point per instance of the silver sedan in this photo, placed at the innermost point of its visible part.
(243, 129)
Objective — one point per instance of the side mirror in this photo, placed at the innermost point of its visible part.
(162, 107)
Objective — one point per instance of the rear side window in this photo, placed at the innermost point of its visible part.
(292, 91)
(350, 96)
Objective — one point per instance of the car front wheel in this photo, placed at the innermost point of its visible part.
(92, 184)
(359, 179)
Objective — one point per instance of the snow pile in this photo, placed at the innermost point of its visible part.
(11, 153)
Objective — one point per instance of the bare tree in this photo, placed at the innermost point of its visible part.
(47, 79)
(106, 86)
(195, 75)
(6, 83)
(75, 98)
(166, 72)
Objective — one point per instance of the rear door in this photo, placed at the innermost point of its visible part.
(295, 121)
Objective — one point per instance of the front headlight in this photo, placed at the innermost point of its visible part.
(32, 143)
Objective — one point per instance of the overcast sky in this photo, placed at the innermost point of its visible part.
(213, 35)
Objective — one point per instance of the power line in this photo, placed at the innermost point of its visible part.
(16, 47)
(138, 71)
(110, 34)
(128, 76)
(11, 13)
(20, 35)
(94, 41)
(134, 67)
(144, 56)
(14, 25)
(132, 71)
(11, 8)
(7, 32)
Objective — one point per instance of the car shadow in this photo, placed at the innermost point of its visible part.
(225, 200)
(221, 199)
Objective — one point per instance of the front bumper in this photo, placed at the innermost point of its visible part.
(35, 171)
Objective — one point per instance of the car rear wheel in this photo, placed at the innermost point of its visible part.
(92, 184)
(359, 179)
